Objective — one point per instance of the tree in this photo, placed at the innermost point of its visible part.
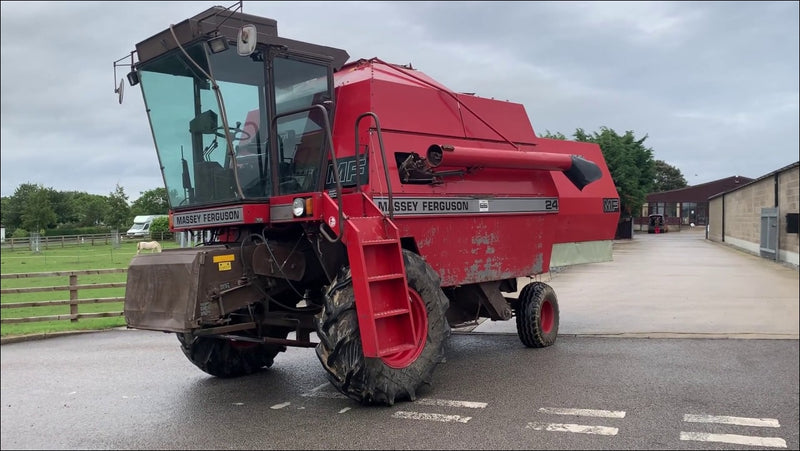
(556, 135)
(91, 209)
(14, 207)
(667, 177)
(118, 214)
(152, 202)
(159, 225)
(62, 205)
(631, 165)
(38, 213)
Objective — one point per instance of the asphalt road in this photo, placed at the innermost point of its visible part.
(135, 390)
(656, 351)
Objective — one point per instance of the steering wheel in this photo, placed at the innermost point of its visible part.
(234, 131)
(289, 185)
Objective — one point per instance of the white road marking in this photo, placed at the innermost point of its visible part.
(431, 417)
(583, 412)
(740, 421)
(576, 428)
(279, 406)
(238, 404)
(344, 410)
(450, 403)
(746, 440)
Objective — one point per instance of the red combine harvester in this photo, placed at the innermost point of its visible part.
(361, 201)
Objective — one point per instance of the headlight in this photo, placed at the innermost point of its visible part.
(298, 207)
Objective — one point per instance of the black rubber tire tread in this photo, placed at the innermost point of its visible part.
(219, 357)
(371, 381)
(529, 311)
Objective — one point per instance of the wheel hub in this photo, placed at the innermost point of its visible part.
(419, 318)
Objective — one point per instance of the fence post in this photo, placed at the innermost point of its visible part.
(73, 296)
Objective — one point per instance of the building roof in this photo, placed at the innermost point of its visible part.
(701, 192)
(777, 171)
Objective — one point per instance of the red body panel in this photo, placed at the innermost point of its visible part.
(497, 219)
(469, 246)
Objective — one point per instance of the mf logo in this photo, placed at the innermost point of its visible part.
(610, 205)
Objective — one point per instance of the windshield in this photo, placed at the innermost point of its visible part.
(187, 125)
(197, 165)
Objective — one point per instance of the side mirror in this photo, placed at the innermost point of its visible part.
(246, 41)
(120, 90)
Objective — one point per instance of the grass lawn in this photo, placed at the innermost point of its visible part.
(68, 258)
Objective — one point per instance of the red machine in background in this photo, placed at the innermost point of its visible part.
(361, 201)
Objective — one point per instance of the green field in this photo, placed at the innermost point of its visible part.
(68, 258)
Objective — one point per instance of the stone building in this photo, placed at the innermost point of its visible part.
(685, 206)
(760, 217)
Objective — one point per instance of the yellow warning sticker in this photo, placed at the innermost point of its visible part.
(223, 258)
(225, 266)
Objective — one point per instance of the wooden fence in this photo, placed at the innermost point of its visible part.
(73, 300)
(46, 242)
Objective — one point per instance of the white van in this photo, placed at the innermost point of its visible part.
(141, 226)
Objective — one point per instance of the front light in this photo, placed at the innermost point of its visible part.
(298, 207)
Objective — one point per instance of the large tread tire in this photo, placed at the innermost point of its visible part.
(227, 359)
(372, 381)
(537, 315)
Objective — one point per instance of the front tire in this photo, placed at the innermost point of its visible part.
(227, 358)
(537, 315)
(382, 380)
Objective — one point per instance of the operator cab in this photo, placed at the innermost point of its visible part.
(231, 127)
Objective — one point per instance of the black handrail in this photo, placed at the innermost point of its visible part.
(383, 158)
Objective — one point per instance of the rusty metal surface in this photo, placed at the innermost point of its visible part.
(160, 293)
(180, 289)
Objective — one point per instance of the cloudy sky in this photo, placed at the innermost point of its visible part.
(713, 85)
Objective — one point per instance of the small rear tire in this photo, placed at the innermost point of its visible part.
(228, 358)
(537, 315)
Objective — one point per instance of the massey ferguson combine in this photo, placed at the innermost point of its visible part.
(361, 201)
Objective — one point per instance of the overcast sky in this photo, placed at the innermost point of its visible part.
(713, 85)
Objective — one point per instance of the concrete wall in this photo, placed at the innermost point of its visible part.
(788, 202)
(742, 214)
(715, 219)
(743, 210)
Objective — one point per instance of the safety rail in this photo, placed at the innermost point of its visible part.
(383, 158)
(73, 300)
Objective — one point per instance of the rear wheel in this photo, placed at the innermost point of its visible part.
(230, 358)
(393, 377)
(537, 315)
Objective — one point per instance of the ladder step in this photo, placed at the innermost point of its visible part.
(384, 277)
(376, 242)
(388, 313)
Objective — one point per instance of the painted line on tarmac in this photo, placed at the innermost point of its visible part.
(430, 417)
(736, 439)
(451, 403)
(575, 428)
(739, 421)
(746, 440)
(583, 412)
